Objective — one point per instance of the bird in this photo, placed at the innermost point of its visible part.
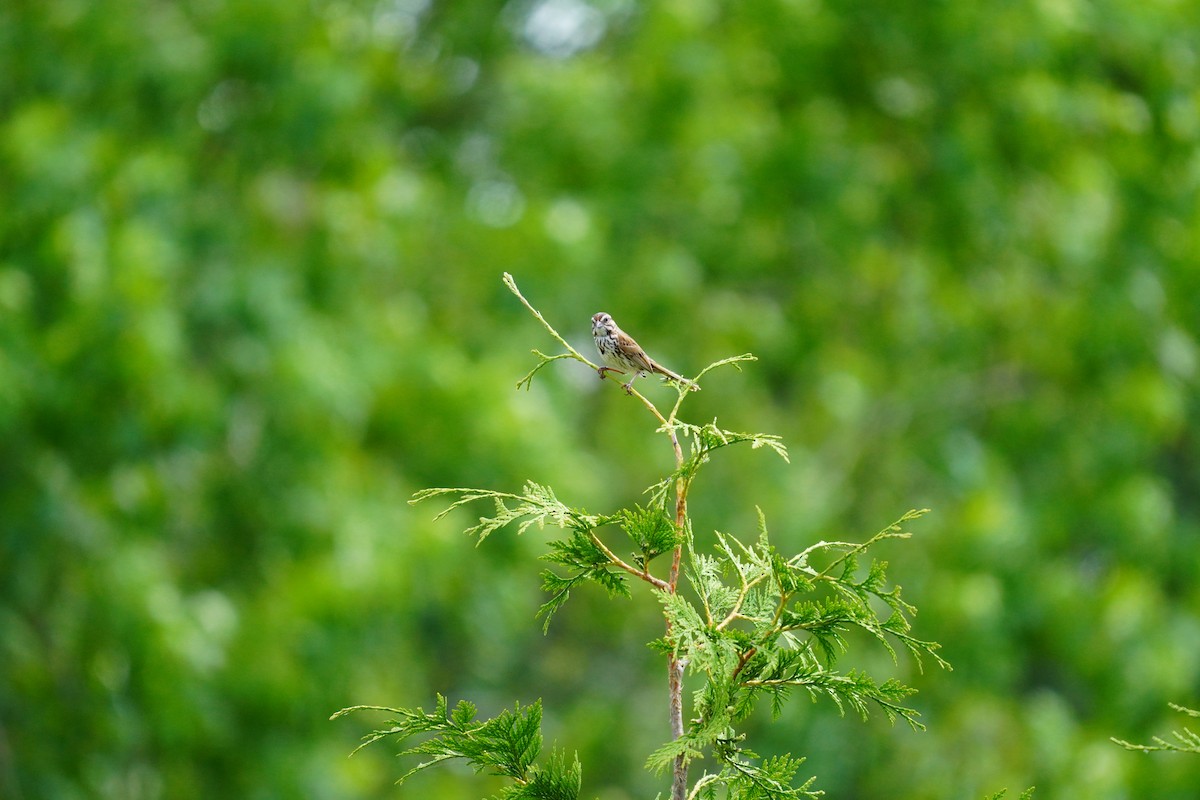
(621, 353)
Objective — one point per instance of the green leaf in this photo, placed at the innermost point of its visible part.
(653, 532)
(587, 562)
(559, 779)
(1186, 740)
(769, 780)
(537, 505)
(704, 440)
(506, 745)
(689, 632)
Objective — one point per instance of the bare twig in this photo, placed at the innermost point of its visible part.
(656, 582)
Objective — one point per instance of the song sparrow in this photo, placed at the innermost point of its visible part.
(622, 354)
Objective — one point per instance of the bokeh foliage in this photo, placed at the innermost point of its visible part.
(250, 300)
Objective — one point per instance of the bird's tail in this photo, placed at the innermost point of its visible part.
(671, 376)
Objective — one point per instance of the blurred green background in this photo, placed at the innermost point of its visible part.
(250, 300)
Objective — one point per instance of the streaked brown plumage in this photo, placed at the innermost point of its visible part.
(621, 353)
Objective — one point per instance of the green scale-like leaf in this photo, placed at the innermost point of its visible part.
(536, 506)
(651, 531)
(506, 745)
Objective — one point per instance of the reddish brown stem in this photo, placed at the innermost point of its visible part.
(679, 783)
(743, 660)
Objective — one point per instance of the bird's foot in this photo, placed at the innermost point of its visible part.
(603, 371)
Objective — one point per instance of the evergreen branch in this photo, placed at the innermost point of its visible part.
(825, 621)
(852, 549)
(680, 747)
(544, 360)
(854, 689)
(558, 780)
(702, 786)
(571, 351)
(684, 389)
(1186, 741)
(507, 745)
(745, 780)
(760, 564)
(536, 506)
(745, 580)
(584, 552)
(828, 620)
(559, 589)
(705, 439)
(754, 584)
(691, 638)
(704, 573)
(376, 735)
(589, 559)
(769, 781)
(651, 530)
(716, 715)
(657, 583)
(731, 361)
